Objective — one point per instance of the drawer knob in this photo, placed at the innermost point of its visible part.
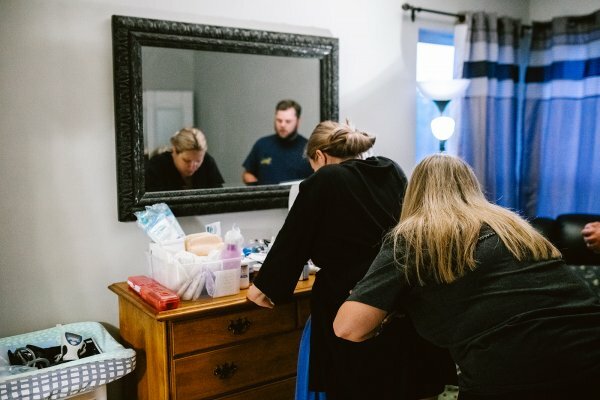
(225, 371)
(239, 326)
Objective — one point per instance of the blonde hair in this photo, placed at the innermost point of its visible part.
(338, 140)
(442, 215)
(188, 139)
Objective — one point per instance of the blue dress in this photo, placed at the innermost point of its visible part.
(302, 391)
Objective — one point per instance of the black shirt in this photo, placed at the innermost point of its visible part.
(161, 174)
(509, 325)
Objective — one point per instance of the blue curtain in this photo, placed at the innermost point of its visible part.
(561, 132)
(489, 112)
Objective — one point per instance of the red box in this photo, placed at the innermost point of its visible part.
(153, 293)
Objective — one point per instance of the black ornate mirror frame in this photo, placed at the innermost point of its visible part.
(129, 34)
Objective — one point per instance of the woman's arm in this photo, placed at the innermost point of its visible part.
(257, 296)
(357, 322)
(279, 273)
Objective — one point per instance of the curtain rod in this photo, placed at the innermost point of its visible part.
(413, 10)
(460, 17)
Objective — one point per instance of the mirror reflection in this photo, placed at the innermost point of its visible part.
(231, 98)
(280, 157)
(223, 81)
(184, 165)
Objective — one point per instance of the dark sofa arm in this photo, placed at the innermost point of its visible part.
(565, 233)
(570, 240)
(547, 227)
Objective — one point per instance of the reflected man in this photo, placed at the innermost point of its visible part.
(279, 157)
(187, 165)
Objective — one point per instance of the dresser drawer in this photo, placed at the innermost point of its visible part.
(211, 373)
(282, 390)
(204, 333)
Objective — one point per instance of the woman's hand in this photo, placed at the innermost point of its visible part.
(257, 296)
(591, 236)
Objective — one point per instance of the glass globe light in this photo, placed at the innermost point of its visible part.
(442, 127)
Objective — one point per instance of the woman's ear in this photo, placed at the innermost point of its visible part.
(321, 157)
(318, 160)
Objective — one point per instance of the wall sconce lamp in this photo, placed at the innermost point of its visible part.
(441, 92)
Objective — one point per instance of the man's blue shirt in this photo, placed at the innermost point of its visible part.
(274, 160)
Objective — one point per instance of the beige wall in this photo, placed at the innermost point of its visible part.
(544, 10)
(60, 242)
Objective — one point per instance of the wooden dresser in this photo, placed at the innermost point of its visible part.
(225, 348)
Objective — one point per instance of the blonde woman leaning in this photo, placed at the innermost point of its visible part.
(477, 279)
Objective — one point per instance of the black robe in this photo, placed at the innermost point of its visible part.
(338, 220)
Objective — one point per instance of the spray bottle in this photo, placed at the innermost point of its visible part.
(231, 255)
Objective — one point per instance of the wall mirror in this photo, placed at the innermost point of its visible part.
(223, 80)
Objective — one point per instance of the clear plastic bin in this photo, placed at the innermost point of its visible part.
(195, 280)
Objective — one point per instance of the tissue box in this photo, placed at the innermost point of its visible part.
(194, 280)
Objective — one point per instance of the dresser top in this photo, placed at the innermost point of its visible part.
(204, 305)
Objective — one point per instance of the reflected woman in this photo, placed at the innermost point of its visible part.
(187, 165)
